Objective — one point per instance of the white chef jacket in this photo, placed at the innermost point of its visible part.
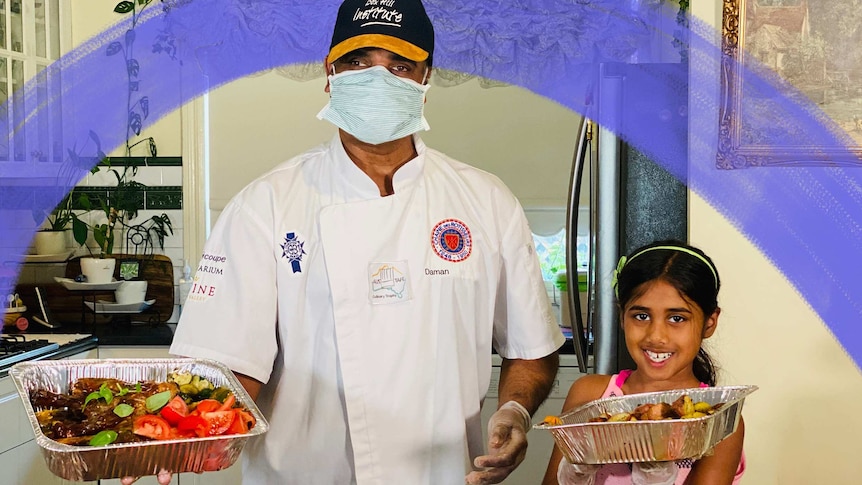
(370, 319)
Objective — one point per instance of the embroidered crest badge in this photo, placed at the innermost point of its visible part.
(292, 250)
(451, 240)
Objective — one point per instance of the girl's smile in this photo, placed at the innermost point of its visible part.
(658, 358)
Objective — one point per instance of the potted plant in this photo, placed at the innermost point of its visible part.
(51, 239)
(115, 218)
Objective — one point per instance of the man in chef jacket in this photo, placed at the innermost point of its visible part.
(357, 289)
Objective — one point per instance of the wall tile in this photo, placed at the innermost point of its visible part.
(162, 198)
(172, 175)
(102, 178)
(150, 176)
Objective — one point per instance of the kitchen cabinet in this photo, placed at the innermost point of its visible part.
(32, 36)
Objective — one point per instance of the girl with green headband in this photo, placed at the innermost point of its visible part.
(667, 296)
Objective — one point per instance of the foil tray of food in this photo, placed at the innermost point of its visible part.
(655, 426)
(97, 419)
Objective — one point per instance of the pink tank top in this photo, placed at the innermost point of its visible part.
(619, 473)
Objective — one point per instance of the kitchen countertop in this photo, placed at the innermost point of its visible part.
(70, 344)
(111, 334)
(75, 338)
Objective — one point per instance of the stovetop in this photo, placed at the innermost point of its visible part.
(16, 348)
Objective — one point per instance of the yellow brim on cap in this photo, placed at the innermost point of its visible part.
(392, 44)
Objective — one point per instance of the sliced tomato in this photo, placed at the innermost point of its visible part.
(228, 403)
(152, 426)
(193, 424)
(207, 406)
(175, 410)
(218, 422)
(242, 422)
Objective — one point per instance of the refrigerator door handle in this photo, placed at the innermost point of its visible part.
(579, 337)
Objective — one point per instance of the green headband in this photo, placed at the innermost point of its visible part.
(624, 260)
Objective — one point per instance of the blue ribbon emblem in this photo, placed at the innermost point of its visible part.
(293, 251)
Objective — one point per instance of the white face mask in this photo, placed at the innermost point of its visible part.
(375, 105)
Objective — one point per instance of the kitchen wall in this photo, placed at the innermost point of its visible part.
(801, 427)
(528, 141)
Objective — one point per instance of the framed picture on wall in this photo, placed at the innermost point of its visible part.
(812, 45)
(130, 269)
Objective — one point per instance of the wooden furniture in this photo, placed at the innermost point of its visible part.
(67, 306)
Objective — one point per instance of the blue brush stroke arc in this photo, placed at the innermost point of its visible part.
(804, 219)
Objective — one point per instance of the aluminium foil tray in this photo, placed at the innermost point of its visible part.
(88, 463)
(582, 441)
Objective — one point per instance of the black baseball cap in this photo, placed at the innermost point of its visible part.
(399, 26)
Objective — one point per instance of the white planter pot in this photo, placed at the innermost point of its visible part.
(50, 242)
(98, 270)
(131, 292)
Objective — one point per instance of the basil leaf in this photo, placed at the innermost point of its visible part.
(106, 394)
(91, 396)
(157, 401)
(123, 410)
(138, 387)
(123, 391)
(104, 437)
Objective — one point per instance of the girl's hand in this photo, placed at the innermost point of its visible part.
(576, 474)
(654, 473)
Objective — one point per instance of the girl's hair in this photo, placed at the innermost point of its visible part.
(686, 268)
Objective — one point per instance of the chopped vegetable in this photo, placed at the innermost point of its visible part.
(175, 410)
(157, 401)
(152, 426)
(104, 437)
(180, 378)
(103, 393)
(218, 422)
(220, 393)
(207, 405)
(123, 410)
(194, 424)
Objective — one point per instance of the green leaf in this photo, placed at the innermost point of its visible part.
(114, 48)
(124, 7)
(106, 393)
(138, 387)
(158, 401)
(123, 410)
(79, 231)
(91, 396)
(104, 437)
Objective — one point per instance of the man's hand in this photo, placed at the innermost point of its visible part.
(507, 445)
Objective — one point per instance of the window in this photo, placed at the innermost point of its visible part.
(552, 253)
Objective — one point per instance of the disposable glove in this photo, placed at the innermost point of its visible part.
(654, 473)
(164, 478)
(576, 473)
(507, 445)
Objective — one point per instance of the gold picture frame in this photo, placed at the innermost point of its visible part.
(814, 59)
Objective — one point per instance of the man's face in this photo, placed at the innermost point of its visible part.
(369, 57)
